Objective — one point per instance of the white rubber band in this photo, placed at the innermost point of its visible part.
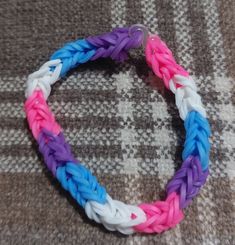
(115, 215)
(186, 97)
(44, 78)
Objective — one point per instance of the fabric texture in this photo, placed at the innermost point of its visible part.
(118, 118)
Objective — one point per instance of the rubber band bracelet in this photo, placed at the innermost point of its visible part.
(76, 178)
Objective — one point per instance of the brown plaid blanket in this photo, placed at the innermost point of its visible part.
(118, 118)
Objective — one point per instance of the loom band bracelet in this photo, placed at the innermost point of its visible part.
(153, 217)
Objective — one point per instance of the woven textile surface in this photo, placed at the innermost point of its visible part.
(119, 119)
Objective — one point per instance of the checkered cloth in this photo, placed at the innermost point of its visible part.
(118, 118)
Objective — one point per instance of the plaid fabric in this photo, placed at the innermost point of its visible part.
(118, 118)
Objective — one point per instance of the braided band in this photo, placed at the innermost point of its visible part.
(76, 178)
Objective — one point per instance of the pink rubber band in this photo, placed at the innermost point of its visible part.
(161, 215)
(39, 115)
(161, 60)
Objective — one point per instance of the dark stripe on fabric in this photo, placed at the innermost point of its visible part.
(190, 227)
(222, 196)
(166, 26)
(81, 151)
(12, 96)
(72, 123)
(65, 95)
(86, 122)
(226, 9)
(201, 49)
(83, 94)
(133, 12)
(98, 151)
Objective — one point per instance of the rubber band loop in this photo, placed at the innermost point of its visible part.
(144, 29)
(74, 177)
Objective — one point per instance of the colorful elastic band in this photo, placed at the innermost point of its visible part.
(74, 177)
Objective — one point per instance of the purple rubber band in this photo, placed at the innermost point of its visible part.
(55, 150)
(188, 180)
(116, 43)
